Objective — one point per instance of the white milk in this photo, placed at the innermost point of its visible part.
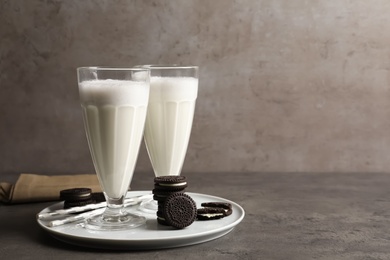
(114, 115)
(169, 122)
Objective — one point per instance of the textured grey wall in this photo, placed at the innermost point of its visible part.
(285, 85)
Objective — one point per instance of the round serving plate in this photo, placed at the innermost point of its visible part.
(151, 235)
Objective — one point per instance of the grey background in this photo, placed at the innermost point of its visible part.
(285, 86)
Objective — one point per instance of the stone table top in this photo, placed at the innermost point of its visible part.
(288, 216)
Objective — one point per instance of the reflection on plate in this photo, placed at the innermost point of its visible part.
(151, 235)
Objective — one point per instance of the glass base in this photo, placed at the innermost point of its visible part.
(148, 206)
(110, 222)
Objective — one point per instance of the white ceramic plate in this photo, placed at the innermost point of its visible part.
(151, 235)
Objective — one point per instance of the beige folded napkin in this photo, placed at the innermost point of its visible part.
(35, 187)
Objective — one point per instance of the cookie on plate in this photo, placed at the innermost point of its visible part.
(76, 194)
(179, 210)
(210, 213)
(98, 197)
(161, 195)
(76, 197)
(160, 219)
(223, 205)
(170, 183)
(71, 204)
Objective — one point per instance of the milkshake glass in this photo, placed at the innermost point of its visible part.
(114, 104)
(173, 93)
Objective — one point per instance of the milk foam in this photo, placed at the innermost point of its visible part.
(173, 89)
(109, 91)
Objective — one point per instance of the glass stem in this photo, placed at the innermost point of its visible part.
(114, 208)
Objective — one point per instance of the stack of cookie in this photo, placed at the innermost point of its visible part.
(175, 208)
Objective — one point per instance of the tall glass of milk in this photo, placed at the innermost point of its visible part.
(173, 93)
(114, 103)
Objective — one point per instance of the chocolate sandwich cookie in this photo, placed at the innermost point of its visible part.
(170, 183)
(160, 218)
(76, 194)
(161, 195)
(224, 205)
(71, 204)
(210, 213)
(179, 210)
(98, 197)
(161, 221)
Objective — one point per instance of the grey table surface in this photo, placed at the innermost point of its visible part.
(288, 216)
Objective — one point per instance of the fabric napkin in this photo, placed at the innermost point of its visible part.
(36, 188)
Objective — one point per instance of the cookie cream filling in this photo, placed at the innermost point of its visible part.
(211, 215)
(173, 184)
